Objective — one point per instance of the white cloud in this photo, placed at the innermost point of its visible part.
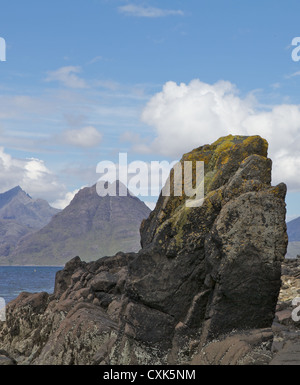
(151, 12)
(297, 73)
(107, 84)
(84, 137)
(151, 205)
(65, 201)
(18, 107)
(186, 116)
(35, 169)
(31, 174)
(275, 86)
(96, 59)
(67, 76)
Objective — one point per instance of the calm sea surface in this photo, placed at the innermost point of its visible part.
(15, 279)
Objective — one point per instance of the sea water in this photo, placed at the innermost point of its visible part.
(16, 279)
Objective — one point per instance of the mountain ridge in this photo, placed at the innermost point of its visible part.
(293, 230)
(20, 215)
(90, 225)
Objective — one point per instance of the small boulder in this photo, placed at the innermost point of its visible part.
(104, 281)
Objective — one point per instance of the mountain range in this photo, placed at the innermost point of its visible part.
(32, 232)
(293, 231)
(20, 215)
(90, 225)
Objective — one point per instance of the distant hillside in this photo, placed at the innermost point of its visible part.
(293, 230)
(20, 215)
(91, 227)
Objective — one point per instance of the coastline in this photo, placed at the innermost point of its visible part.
(62, 266)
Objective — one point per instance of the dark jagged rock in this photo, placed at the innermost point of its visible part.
(206, 278)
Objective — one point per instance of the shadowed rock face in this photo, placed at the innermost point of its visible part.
(201, 273)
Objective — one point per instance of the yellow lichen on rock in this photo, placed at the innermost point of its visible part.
(222, 159)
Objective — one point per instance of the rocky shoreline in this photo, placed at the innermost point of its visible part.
(286, 344)
(278, 345)
(209, 285)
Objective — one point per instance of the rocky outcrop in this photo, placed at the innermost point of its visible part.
(286, 325)
(252, 347)
(278, 345)
(204, 274)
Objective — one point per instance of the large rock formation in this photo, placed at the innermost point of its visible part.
(204, 274)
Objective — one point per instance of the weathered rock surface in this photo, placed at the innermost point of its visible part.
(5, 359)
(252, 347)
(206, 279)
(278, 345)
(286, 328)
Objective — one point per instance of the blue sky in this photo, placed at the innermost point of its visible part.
(85, 80)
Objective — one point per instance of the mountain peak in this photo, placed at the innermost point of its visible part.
(17, 188)
(109, 189)
(7, 196)
(13, 190)
(293, 230)
(91, 225)
(20, 215)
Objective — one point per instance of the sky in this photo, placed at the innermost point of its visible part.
(84, 81)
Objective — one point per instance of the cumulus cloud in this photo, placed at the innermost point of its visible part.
(186, 116)
(86, 137)
(68, 77)
(151, 12)
(31, 174)
(64, 201)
